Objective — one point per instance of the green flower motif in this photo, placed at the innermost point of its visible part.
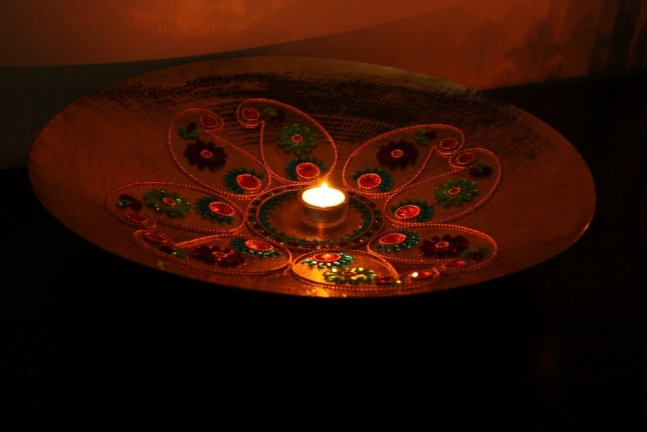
(455, 192)
(164, 202)
(329, 259)
(297, 139)
(353, 276)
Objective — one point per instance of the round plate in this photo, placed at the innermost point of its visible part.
(160, 168)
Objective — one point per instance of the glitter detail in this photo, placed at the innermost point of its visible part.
(444, 247)
(305, 141)
(455, 192)
(216, 210)
(370, 182)
(162, 201)
(394, 242)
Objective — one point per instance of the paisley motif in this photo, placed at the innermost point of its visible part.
(403, 186)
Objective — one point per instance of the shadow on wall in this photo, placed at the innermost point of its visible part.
(484, 45)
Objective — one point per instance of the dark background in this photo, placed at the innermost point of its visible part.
(93, 342)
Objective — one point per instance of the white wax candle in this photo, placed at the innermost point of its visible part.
(323, 196)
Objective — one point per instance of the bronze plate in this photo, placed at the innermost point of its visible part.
(543, 203)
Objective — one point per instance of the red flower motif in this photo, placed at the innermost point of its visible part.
(205, 155)
(214, 255)
(398, 154)
(445, 247)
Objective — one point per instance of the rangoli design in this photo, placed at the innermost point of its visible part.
(239, 210)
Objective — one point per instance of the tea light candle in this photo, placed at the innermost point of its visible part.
(323, 206)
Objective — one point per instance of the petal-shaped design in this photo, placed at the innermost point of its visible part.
(354, 270)
(199, 143)
(146, 204)
(473, 177)
(389, 162)
(221, 254)
(275, 215)
(294, 147)
(447, 248)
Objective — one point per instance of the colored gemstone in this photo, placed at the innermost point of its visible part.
(206, 154)
(387, 280)
(407, 212)
(297, 138)
(258, 245)
(455, 264)
(466, 158)
(327, 257)
(392, 239)
(221, 208)
(397, 153)
(248, 182)
(137, 217)
(208, 121)
(454, 191)
(442, 245)
(307, 170)
(448, 143)
(369, 181)
(422, 274)
(168, 201)
(250, 114)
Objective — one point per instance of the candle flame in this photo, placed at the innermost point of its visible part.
(324, 185)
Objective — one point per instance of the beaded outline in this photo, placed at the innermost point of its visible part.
(222, 142)
(348, 287)
(189, 262)
(259, 122)
(408, 129)
(440, 263)
(174, 223)
(472, 208)
(376, 221)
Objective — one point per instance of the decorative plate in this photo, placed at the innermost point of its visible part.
(195, 169)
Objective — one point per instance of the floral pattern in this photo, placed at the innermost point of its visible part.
(399, 154)
(352, 276)
(297, 139)
(373, 179)
(216, 210)
(455, 192)
(254, 247)
(377, 243)
(163, 201)
(241, 180)
(446, 246)
(411, 210)
(212, 254)
(396, 241)
(304, 168)
(205, 155)
(329, 259)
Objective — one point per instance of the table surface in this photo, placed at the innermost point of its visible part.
(93, 342)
